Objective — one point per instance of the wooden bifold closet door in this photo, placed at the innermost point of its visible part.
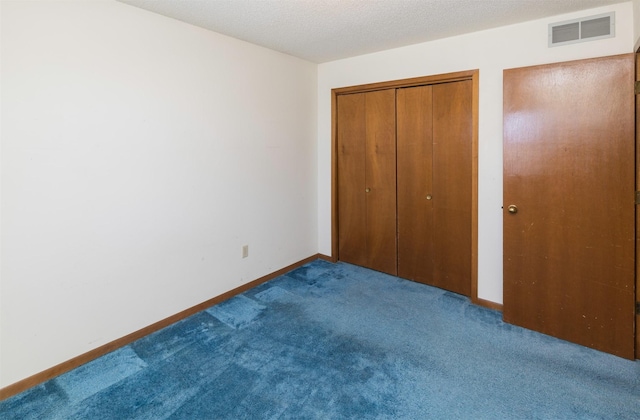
(367, 179)
(434, 184)
(408, 149)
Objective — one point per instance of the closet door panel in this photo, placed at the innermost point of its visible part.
(452, 180)
(351, 134)
(415, 222)
(380, 173)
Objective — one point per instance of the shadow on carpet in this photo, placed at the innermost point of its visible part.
(334, 341)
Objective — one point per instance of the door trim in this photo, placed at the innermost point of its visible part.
(472, 75)
(637, 143)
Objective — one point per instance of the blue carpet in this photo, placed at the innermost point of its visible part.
(334, 341)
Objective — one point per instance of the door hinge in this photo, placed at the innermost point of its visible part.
(637, 201)
(636, 89)
(637, 308)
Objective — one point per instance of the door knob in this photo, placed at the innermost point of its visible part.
(428, 196)
(367, 190)
(513, 209)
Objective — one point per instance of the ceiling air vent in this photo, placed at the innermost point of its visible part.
(583, 29)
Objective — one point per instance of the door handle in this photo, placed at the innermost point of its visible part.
(513, 209)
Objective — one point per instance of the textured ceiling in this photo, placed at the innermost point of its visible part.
(326, 30)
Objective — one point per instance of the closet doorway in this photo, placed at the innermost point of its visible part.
(404, 179)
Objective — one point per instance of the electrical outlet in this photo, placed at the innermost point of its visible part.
(245, 251)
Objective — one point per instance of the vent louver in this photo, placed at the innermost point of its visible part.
(584, 29)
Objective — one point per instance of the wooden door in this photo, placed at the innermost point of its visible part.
(434, 184)
(452, 145)
(416, 251)
(367, 179)
(569, 172)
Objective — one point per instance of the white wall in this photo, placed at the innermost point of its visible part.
(490, 51)
(1, 43)
(139, 154)
(636, 25)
